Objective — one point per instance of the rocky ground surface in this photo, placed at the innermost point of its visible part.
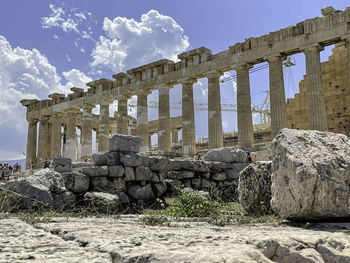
(128, 239)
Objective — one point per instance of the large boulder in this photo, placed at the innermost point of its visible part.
(52, 180)
(229, 155)
(124, 143)
(310, 175)
(141, 192)
(254, 188)
(62, 165)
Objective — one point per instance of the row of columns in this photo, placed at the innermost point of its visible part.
(50, 129)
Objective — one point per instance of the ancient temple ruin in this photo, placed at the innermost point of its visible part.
(75, 110)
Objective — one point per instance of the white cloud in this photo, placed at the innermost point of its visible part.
(76, 78)
(129, 43)
(68, 58)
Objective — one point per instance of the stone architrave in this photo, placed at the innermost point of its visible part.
(188, 125)
(164, 124)
(122, 116)
(71, 136)
(31, 142)
(55, 135)
(142, 119)
(86, 133)
(103, 127)
(214, 111)
(316, 101)
(244, 110)
(43, 146)
(277, 95)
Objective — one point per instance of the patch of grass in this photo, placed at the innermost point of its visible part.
(154, 219)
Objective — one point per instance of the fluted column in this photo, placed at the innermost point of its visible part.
(188, 125)
(316, 101)
(164, 124)
(175, 136)
(214, 111)
(55, 136)
(86, 133)
(31, 143)
(43, 146)
(277, 95)
(71, 136)
(142, 120)
(103, 127)
(122, 116)
(244, 110)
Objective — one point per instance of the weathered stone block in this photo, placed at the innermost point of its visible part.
(218, 176)
(76, 182)
(115, 171)
(159, 164)
(62, 165)
(160, 189)
(102, 202)
(104, 184)
(124, 143)
(100, 159)
(95, 171)
(179, 175)
(81, 164)
(143, 173)
(205, 184)
(154, 177)
(173, 186)
(129, 174)
(196, 166)
(310, 175)
(254, 188)
(131, 159)
(196, 183)
(141, 192)
(229, 155)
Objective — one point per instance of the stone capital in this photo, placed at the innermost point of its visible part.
(187, 81)
(163, 86)
(275, 57)
(214, 73)
(44, 117)
(32, 121)
(143, 92)
(243, 67)
(316, 47)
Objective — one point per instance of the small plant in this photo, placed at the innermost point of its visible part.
(154, 220)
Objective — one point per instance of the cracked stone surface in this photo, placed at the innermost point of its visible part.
(20, 242)
(127, 239)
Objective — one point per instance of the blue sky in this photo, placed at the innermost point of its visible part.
(48, 46)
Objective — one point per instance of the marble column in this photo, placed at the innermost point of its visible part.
(43, 146)
(31, 143)
(175, 136)
(55, 136)
(71, 136)
(86, 133)
(164, 125)
(316, 101)
(188, 125)
(122, 116)
(142, 120)
(277, 95)
(214, 111)
(103, 127)
(244, 110)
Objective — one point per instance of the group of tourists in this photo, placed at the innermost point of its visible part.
(7, 170)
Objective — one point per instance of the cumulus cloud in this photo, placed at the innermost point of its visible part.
(129, 43)
(26, 74)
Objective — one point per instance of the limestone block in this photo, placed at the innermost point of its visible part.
(159, 164)
(196, 183)
(113, 158)
(229, 155)
(99, 159)
(160, 189)
(95, 171)
(143, 173)
(205, 175)
(254, 188)
(50, 179)
(131, 159)
(197, 166)
(115, 171)
(81, 164)
(205, 184)
(218, 176)
(76, 182)
(141, 192)
(103, 202)
(124, 143)
(179, 175)
(104, 184)
(64, 200)
(62, 165)
(129, 174)
(233, 174)
(154, 177)
(310, 175)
